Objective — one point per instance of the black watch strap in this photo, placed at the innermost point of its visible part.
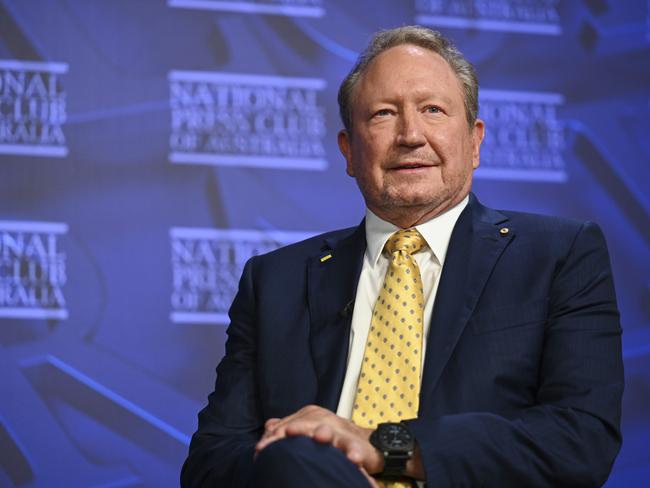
(395, 455)
(394, 465)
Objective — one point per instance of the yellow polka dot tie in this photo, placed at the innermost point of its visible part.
(389, 383)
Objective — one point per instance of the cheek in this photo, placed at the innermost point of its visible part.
(444, 143)
(368, 158)
(378, 140)
(455, 150)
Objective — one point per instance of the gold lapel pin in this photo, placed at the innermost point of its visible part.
(504, 231)
(325, 258)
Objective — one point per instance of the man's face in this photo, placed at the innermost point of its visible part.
(410, 147)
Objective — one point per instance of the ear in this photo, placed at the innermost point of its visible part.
(478, 132)
(343, 139)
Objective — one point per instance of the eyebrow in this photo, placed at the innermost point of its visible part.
(423, 97)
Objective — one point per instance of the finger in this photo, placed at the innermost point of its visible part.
(274, 424)
(355, 456)
(262, 443)
(353, 450)
(271, 432)
(302, 427)
(271, 423)
(265, 442)
(302, 422)
(324, 434)
(359, 451)
(260, 446)
(277, 429)
(269, 437)
(292, 429)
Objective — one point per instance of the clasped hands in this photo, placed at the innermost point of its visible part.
(326, 427)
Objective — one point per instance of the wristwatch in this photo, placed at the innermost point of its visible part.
(395, 442)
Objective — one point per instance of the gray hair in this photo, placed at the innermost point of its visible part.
(421, 37)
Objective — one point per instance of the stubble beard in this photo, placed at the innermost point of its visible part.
(401, 202)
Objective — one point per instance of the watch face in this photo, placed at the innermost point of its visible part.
(395, 436)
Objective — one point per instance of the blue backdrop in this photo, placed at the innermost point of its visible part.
(148, 148)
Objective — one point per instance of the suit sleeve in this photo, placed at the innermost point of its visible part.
(221, 450)
(570, 436)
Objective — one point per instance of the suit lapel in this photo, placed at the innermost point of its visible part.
(332, 285)
(475, 246)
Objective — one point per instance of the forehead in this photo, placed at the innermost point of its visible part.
(406, 69)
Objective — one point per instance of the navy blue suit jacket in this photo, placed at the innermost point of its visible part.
(523, 376)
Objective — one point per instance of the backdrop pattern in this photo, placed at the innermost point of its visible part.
(148, 148)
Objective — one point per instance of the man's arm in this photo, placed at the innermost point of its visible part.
(222, 449)
(570, 436)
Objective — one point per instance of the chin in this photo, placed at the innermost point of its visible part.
(418, 201)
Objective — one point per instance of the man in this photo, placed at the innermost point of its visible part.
(440, 340)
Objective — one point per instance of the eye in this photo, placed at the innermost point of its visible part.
(432, 109)
(382, 112)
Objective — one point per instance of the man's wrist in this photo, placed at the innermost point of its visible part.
(414, 467)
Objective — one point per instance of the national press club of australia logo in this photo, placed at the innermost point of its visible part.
(32, 108)
(526, 16)
(228, 119)
(290, 8)
(206, 267)
(32, 270)
(525, 139)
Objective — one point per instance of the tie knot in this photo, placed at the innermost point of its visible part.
(407, 240)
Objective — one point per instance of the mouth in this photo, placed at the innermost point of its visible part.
(412, 166)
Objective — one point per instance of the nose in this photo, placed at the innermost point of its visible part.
(410, 131)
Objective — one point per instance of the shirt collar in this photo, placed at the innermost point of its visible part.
(437, 232)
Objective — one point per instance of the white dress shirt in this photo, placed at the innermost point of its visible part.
(437, 233)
